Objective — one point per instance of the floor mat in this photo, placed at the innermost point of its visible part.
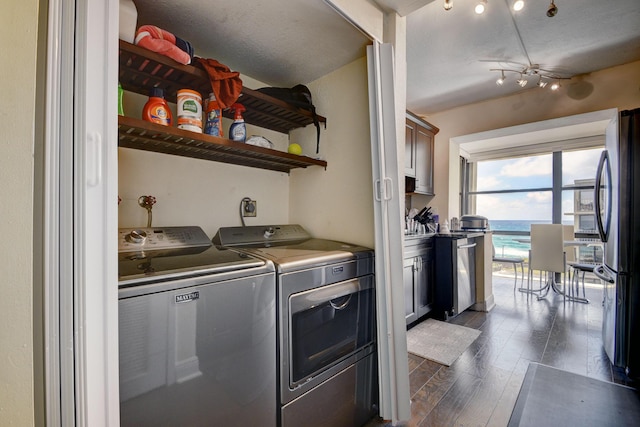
(440, 341)
(552, 397)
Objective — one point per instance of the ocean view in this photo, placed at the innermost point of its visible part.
(507, 245)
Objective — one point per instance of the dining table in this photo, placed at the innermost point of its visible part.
(550, 283)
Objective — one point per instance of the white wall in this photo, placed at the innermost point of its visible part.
(18, 32)
(616, 87)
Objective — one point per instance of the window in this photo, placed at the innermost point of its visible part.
(541, 188)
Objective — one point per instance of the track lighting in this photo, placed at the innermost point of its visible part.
(522, 81)
(517, 6)
(541, 83)
(481, 6)
(545, 77)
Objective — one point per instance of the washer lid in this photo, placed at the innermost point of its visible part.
(161, 265)
(160, 253)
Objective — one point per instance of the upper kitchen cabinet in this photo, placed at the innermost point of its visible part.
(141, 69)
(419, 148)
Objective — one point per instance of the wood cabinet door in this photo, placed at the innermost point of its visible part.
(410, 297)
(424, 161)
(410, 149)
(425, 283)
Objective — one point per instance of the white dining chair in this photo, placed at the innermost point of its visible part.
(510, 260)
(547, 256)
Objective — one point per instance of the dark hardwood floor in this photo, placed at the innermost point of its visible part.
(480, 388)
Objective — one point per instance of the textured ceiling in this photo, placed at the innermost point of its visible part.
(284, 42)
(279, 42)
(446, 49)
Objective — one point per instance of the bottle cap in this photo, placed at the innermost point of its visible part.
(157, 92)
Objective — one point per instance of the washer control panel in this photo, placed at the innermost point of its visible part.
(158, 238)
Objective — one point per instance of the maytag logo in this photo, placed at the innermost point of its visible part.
(338, 270)
(187, 297)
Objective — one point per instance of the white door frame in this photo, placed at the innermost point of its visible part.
(80, 214)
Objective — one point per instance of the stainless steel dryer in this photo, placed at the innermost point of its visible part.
(197, 332)
(327, 365)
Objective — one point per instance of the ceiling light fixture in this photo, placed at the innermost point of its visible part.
(522, 81)
(481, 6)
(524, 71)
(448, 4)
(541, 83)
(518, 5)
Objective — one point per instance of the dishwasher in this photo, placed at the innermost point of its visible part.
(455, 261)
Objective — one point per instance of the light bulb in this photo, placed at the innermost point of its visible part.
(448, 4)
(518, 5)
(542, 84)
(500, 80)
(481, 6)
(555, 86)
(522, 81)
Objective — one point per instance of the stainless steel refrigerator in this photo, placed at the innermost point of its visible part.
(618, 220)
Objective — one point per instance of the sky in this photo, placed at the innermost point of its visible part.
(531, 172)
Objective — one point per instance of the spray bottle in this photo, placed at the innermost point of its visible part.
(238, 130)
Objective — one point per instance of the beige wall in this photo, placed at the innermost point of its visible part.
(337, 203)
(198, 192)
(18, 38)
(617, 87)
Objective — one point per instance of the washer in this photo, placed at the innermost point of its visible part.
(327, 359)
(197, 331)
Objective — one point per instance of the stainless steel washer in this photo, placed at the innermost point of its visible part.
(197, 332)
(327, 364)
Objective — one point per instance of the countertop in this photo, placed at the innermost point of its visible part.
(462, 234)
(417, 236)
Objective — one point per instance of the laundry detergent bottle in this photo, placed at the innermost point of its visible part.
(213, 121)
(238, 130)
(156, 110)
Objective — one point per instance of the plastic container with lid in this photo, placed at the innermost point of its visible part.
(189, 110)
(156, 110)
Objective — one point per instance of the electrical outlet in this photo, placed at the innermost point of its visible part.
(249, 208)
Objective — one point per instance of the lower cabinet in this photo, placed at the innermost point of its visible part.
(418, 278)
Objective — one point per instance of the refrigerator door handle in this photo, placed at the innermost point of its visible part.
(601, 274)
(602, 232)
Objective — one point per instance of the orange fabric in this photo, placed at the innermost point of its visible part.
(225, 84)
(161, 41)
